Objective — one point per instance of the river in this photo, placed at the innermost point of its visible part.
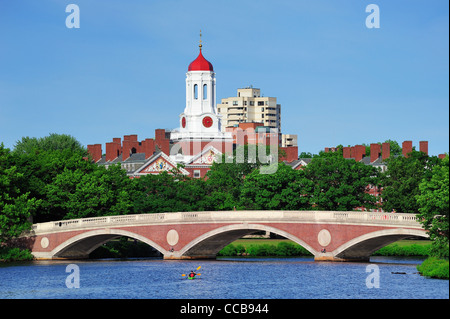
(228, 278)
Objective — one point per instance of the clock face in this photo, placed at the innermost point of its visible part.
(207, 121)
(183, 122)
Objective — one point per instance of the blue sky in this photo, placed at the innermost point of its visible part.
(123, 71)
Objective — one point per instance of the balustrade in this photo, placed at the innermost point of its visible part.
(233, 216)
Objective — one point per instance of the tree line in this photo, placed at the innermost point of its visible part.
(50, 178)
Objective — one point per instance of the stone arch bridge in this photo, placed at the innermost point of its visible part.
(328, 235)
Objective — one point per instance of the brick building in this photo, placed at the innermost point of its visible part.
(197, 142)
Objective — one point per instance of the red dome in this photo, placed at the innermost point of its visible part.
(200, 64)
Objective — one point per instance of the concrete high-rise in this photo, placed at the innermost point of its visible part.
(250, 107)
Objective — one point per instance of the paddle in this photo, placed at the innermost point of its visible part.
(198, 268)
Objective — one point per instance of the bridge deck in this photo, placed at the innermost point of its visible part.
(335, 217)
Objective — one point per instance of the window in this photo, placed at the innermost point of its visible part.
(235, 102)
(205, 91)
(197, 174)
(252, 103)
(195, 91)
(260, 103)
(262, 109)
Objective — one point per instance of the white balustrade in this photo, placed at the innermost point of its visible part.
(351, 217)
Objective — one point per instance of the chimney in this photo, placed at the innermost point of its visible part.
(130, 145)
(95, 151)
(347, 152)
(442, 156)
(148, 147)
(386, 151)
(374, 152)
(406, 148)
(113, 150)
(424, 146)
(360, 151)
(327, 149)
(162, 142)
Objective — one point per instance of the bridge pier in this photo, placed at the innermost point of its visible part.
(324, 257)
(173, 257)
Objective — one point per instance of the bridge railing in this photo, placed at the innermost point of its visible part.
(232, 216)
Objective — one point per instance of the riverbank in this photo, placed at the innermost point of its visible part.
(434, 268)
(287, 248)
(8, 254)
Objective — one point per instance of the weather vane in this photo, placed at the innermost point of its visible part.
(200, 45)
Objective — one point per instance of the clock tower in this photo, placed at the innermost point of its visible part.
(200, 121)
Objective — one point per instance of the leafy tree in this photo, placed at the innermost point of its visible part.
(305, 155)
(339, 183)
(395, 148)
(40, 168)
(286, 189)
(80, 194)
(53, 142)
(15, 205)
(225, 178)
(433, 202)
(400, 182)
(168, 193)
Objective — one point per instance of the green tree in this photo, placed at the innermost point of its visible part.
(52, 142)
(286, 189)
(433, 202)
(395, 148)
(98, 192)
(40, 168)
(168, 193)
(400, 182)
(339, 183)
(15, 205)
(305, 155)
(41, 160)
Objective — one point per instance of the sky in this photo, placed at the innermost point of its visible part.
(123, 70)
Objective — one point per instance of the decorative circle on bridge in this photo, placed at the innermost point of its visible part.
(172, 237)
(324, 238)
(44, 242)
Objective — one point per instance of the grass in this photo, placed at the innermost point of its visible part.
(434, 268)
(276, 247)
(14, 254)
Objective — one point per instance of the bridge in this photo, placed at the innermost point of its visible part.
(328, 235)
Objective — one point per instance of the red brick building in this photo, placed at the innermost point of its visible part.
(196, 143)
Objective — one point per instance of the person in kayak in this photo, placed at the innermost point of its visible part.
(192, 275)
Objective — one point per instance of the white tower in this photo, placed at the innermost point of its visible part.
(200, 120)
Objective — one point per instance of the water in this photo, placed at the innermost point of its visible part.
(268, 278)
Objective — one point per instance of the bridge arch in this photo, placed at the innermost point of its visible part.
(80, 246)
(210, 243)
(363, 246)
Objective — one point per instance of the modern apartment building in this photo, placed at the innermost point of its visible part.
(250, 107)
(289, 140)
